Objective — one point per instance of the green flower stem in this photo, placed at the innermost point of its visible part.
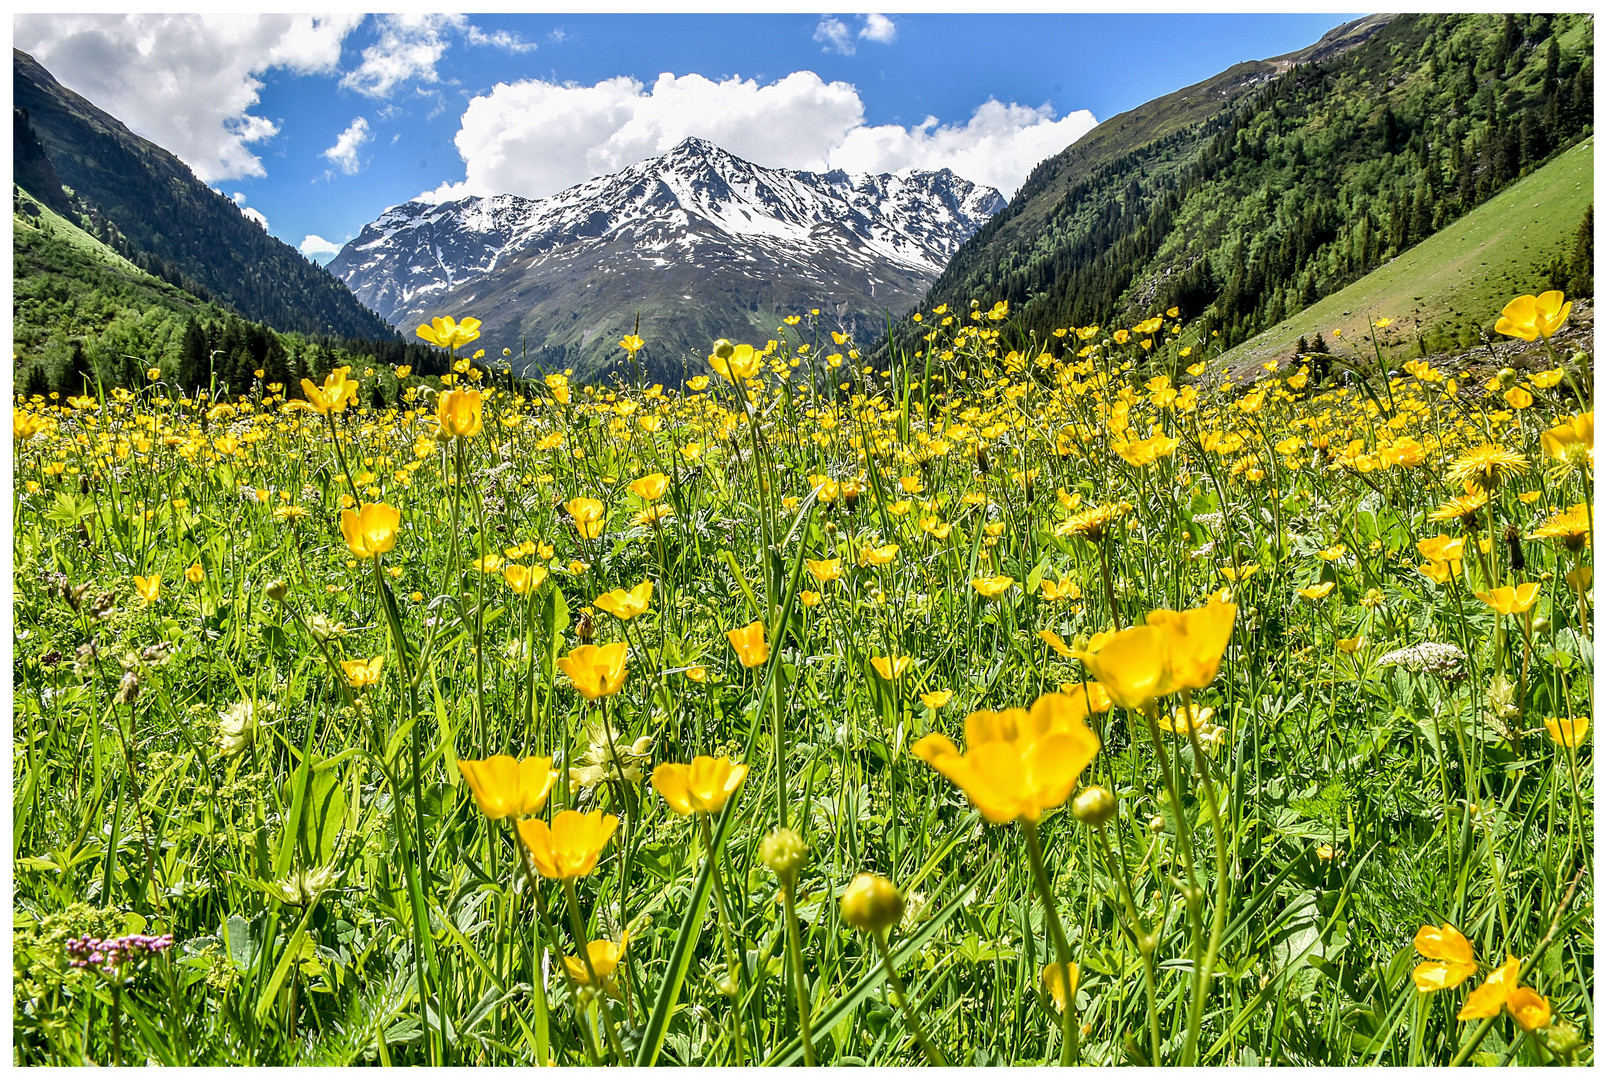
(579, 929)
(552, 944)
(1202, 972)
(1144, 939)
(1057, 934)
(801, 984)
(733, 965)
(933, 1054)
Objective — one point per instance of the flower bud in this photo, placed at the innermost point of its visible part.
(723, 349)
(277, 591)
(1157, 824)
(784, 853)
(1094, 806)
(871, 902)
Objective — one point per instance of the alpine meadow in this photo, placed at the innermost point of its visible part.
(601, 628)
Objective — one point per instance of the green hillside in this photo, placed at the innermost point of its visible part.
(1443, 291)
(1308, 176)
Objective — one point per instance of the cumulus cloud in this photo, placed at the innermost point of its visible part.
(834, 36)
(409, 47)
(344, 152)
(534, 138)
(880, 29)
(318, 249)
(239, 198)
(186, 82)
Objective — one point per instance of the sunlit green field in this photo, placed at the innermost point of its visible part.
(1016, 703)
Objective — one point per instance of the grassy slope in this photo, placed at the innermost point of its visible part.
(1448, 286)
(45, 244)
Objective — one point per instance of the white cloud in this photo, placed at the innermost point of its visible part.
(409, 47)
(344, 152)
(998, 146)
(315, 246)
(534, 138)
(186, 82)
(500, 39)
(834, 36)
(239, 198)
(880, 29)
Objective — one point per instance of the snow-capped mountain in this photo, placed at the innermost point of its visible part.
(699, 242)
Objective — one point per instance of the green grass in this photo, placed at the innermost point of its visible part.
(1455, 283)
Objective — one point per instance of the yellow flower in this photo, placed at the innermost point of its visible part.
(749, 642)
(736, 362)
(522, 579)
(809, 598)
(1239, 573)
(1572, 442)
(1175, 650)
(1565, 731)
(627, 604)
(1510, 599)
(1054, 983)
(449, 334)
(1317, 591)
(1330, 554)
(361, 673)
(371, 530)
(504, 786)
(1180, 722)
(825, 570)
(1529, 1009)
(1066, 590)
(890, 667)
(1442, 549)
(702, 786)
(1052, 639)
(1486, 465)
(558, 385)
(596, 670)
(587, 515)
(459, 413)
(1450, 958)
(1017, 763)
(1488, 999)
(1348, 644)
(336, 393)
(195, 574)
(936, 699)
(651, 487)
(489, 563)
(992, 586)
(25, 425)
(604, 956)
(631, 344)
(570, 847)
(149, 588)
(1529, 317)
(1568, 527)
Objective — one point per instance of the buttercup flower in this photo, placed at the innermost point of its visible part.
(1511, 599)
(890, 667)
(596, 670)
(749, 642)
(571, 845)
(504, 786)
(1529, 317)
(704, 786)
(1450, 958)
(1017, 763)
(449, 334)
(626, 604)
(370, 530)
(459, 413)
(361, 673)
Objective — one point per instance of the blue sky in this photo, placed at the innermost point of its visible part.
(318, 125)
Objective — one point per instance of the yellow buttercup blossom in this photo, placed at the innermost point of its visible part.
(890, 667)
(370, 530)
(650, 488)
(604, 956)
(1567, 731)
(361, 673)
(1017, 763)
(505, 786)
(149, 588)
(596, 670)
(626, 604)
(459, 413)
(448, 333)
(1450, 958)
(587, 514)
(569, 847)
(991, 587)
(1529, 317)
(703, 786)
(936, 699)
(337, 392)
(749, 643)
(1174, 650)
(522, 579)
(1511, 599)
